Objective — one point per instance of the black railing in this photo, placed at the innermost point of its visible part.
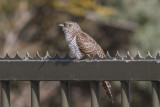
(93, 70)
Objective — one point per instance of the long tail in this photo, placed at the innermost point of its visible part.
(107, 86)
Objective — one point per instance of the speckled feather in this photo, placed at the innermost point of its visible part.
(88, 45)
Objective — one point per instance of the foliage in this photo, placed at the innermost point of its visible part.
(80, 7)
(146, 14)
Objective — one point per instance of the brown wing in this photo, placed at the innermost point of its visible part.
(88, 45)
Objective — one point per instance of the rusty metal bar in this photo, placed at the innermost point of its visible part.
(65, 94)
(35, 98)
(155, 93)
(94, 87)
(125, 94)
(5, 94)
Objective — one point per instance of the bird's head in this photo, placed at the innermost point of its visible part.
(70, 27)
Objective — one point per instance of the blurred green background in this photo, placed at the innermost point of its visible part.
(124, 25)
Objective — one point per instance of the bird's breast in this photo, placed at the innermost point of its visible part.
(74, 48)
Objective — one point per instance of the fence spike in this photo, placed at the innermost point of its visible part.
(138, 56)
(108, 56)
(87, 58)
(7, 56)
(149, 56)
(67, 57)
(37, 54)
(118, 57)
(158, 55)
(27, 57)
(57, 57)
(128, 57)
(47, 56)
(38, 57)
(96, 57)
(17, 57)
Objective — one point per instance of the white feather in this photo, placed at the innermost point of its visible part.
(74, 48)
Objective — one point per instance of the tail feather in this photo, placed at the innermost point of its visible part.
(100, 52)
(107, 86)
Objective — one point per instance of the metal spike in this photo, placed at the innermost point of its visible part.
(118, 57)
(47, 56)
(158, 55)
(37, 57)
(149, 57)
(108, 56)
(67, 57)
(138, 56)
(88, 58)
(7, 56)
(57, 57)
(128, 57)
(37, 54)
(27, 57)
(96, 57)
(17, 57)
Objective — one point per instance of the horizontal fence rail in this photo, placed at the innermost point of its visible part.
(57, 68)
(66, 69)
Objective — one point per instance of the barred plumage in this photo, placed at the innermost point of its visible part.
(88, 45)
(107, 86)
(81, 44)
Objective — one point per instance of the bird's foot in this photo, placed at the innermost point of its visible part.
(76, 60)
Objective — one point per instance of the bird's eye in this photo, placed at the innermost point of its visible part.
(69, 25)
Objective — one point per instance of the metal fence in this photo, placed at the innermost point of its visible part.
(64, 69)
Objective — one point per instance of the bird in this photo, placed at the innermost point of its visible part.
(81, 45)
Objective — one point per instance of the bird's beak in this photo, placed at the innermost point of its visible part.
(62, 25)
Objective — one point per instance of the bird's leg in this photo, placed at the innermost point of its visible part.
(81, 58)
